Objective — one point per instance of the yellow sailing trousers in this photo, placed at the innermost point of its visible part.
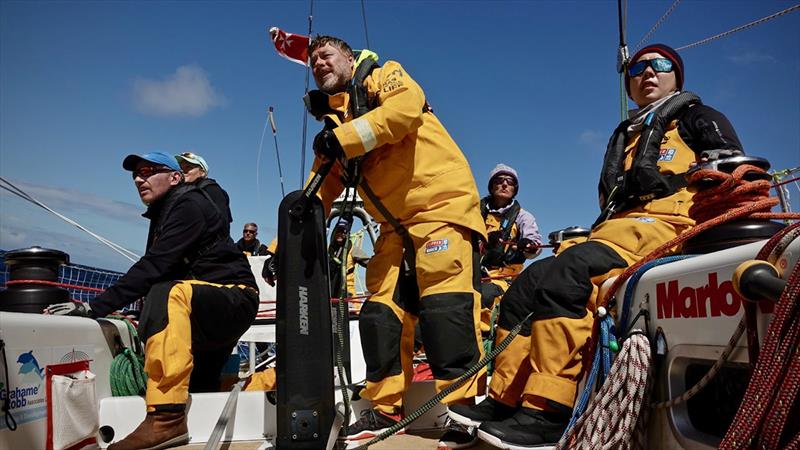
(190, 329)
(562, 293)
(441, 291)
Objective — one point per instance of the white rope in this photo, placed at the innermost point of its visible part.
(613, 414)
(737, 29)
(133, 257)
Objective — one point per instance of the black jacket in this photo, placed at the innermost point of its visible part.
(255, 248)
(188, 239)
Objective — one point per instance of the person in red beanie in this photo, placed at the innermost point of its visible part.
(645, 203)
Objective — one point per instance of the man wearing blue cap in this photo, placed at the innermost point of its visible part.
(200, 297)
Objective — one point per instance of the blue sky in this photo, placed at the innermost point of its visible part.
(530, 84)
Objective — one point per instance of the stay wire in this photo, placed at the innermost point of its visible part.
(305, 113)
(258, 162)
(622, 17)
(622, 57)
(277, 152)
(658, 23)
(364, 17)
(10, 187)
(737, 29)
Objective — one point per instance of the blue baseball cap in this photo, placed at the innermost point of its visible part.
(158, 158)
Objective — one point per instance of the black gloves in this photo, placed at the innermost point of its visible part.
(327, 145)
(69, 309)
(270, 270)
(527, 246)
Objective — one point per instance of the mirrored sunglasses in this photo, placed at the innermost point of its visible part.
(660, 65)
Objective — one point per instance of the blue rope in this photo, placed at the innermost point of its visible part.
(602, 356)
(634, 280)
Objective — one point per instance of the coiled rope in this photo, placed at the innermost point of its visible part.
(614, 413)
(740, 197)
(127, 368)
(770, 398)
(731, 207)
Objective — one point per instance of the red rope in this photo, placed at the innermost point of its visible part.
(775, 383)
(54, 283)
(733, 198)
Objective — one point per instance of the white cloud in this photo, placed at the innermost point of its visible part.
(67, 201)
(593, 138)
(751, 57)
(187, 92)
(82, 250)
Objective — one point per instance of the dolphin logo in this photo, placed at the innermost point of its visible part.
(29, 364)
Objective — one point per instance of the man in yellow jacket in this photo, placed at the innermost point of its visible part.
(645, 203)
(419, 187)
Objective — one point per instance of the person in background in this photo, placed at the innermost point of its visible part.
(193, 166)
(249, 244)
(513, 238)
(195, 171)
(200, 297)
(645, 202)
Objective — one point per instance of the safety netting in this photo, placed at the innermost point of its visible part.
(82, 282)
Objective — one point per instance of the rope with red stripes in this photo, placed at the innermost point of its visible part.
(55, 283)
(613, 414)
(734, 197)
(763, 413)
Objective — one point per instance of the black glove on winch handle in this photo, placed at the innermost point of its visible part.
(299, 208)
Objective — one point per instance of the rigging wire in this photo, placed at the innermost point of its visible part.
(305, 114)
(277, 153)
(737, 29)
(657, 24)
(133, 257)
(364, 16)
(258, 162)
(622, 57)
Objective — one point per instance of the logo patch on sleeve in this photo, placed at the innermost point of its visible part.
(666, 154)
(438, 245)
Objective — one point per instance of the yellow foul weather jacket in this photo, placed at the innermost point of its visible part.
(410, 161)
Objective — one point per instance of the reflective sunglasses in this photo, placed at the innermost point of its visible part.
(188, 155)
(504, 180)
(249, 231)
(146, 172)
(660, 65)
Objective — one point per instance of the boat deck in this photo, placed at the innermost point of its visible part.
(418, 441)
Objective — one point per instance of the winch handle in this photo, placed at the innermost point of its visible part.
(728, 164)
(299, 208)
(758, 280)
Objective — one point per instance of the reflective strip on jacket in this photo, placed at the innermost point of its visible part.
(412, 164)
